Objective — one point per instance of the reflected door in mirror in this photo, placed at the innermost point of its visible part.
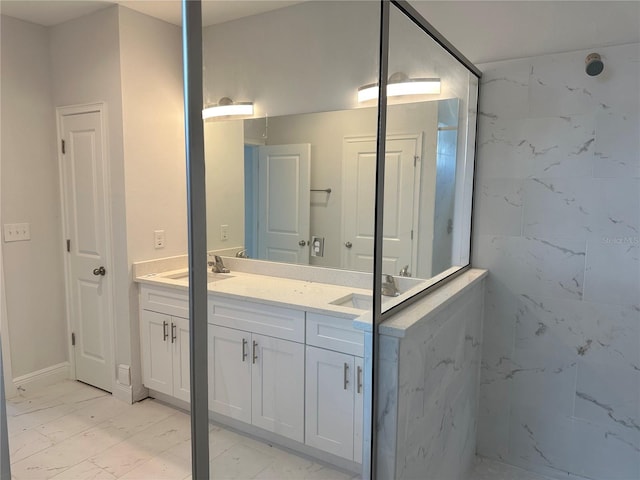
(283, 203)
(401, 185)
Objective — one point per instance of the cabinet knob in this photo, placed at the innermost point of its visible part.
(302, 243)
(348, 244)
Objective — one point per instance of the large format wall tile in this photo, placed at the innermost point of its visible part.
(557, 224)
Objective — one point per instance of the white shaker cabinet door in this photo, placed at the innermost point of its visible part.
(229, 355)
(181, 365)
(330, 401)
(277, 378)
(156, 352)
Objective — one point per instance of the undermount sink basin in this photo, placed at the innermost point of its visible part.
(355, 300)
(183, 277)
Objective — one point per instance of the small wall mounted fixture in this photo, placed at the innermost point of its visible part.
(400, 84)
(227, 107)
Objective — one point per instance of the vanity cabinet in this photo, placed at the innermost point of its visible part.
(334, 387)
(253, 377)
(164, 332)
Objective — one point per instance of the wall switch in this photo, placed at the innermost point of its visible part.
(17, 232)
(317, 246)
(224, 232)
(158, 239)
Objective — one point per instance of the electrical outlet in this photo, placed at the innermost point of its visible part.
(158, 239)
(17, 232)
(317, 246)
(224, 232)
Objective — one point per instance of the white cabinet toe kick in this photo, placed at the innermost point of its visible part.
(284, 375)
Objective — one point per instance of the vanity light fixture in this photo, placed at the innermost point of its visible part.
(400, 84)
(227, 107)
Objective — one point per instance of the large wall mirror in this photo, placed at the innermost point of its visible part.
(295, 180)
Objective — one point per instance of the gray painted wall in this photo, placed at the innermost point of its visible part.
(33, 269)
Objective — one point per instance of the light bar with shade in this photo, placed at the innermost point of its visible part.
(399, 84)
(226, 108)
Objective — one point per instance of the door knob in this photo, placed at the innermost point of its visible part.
(99, 271)
(302, 243)
(348, 244)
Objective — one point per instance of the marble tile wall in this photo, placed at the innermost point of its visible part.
(428, 393)
(557, 224)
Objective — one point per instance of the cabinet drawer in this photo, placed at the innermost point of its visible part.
(165, 300)
(335, 334)
(258, 318)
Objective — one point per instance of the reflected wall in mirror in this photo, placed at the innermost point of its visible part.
(309, 185)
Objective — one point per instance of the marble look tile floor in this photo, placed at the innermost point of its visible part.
(486, 469)
(73, 431)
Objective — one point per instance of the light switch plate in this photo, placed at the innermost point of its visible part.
(17, 232)
(224, 232)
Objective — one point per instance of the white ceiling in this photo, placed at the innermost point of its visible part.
(482, 30)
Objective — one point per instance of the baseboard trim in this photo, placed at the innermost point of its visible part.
(122, 392)
(44, 377)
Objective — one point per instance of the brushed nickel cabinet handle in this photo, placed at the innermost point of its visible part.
(346, 375)
(165, 331)
(255, 354)
(173, 332)
(244, 349)
(359, 380)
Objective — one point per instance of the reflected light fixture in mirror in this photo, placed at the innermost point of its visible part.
(226, 108)
(400, 84)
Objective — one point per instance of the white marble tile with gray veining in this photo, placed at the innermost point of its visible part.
(547, 267)
(498, 206)
(617, 145)
(504, 90)
(612, 273)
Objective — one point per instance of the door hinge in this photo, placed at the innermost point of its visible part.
(64, 150)
(415, 160)
(73, 339)
(68, 245)
(411, 234)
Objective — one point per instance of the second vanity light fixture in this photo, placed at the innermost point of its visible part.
(400, 84)
(227, 107)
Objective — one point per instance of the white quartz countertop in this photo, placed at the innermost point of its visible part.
(400, 325)
(303, 295)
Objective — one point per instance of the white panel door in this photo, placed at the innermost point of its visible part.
(329, 414)
(84, 170)
(229, 355)
(284, 203)
(181, 366)
(358, 203)
(156, 351)
(277, 378)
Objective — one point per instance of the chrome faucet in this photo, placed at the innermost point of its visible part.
(217, 266)
(389, 287)
(404, 272)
